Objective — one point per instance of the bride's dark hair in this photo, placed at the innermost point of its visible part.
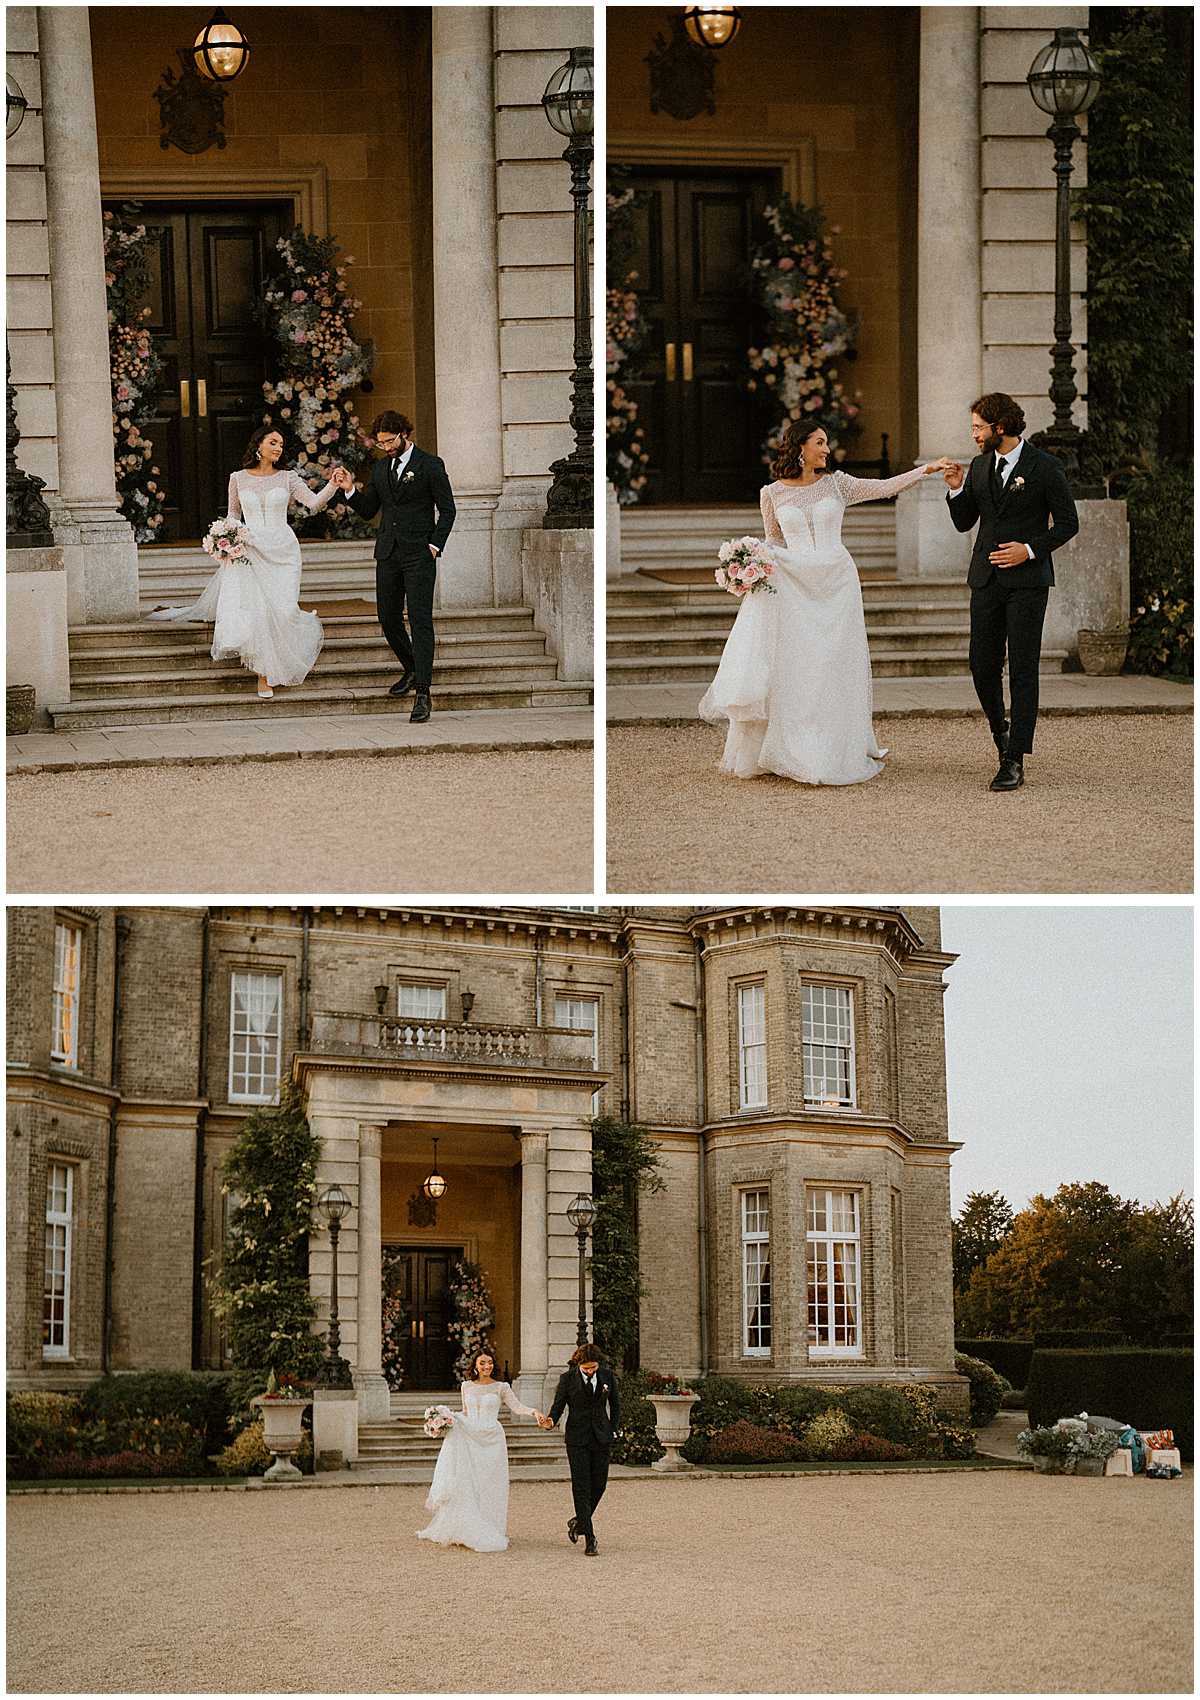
(251, 456)
(483, 1352)
(788, 463)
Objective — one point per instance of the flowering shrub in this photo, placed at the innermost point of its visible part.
(53, 1440)
(796, 373)
(136, 369)
(745, 1442)
(652, 1382)
(308, 310)
(1162, 624)
(988, 1387)
(286, 1389)
(626, 329)
(638, 1442)
(474, 1315)
(247, 1455)
(826, 1434)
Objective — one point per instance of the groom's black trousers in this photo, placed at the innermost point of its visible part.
(1005, 617)
(589, 1478)
(402, 578)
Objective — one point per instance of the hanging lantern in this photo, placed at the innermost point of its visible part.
(221, 50)
(434, 1184)
(712, 26)
(568, 100)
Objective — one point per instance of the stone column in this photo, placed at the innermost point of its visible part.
(949, 281)
(374, 1400)
(101, 556)
(466, 307)
(535, 1310)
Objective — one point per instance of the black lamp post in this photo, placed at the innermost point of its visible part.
(568, 103)
(15, 107)
(333, 1205)
(1064, 80)
(581, 1213)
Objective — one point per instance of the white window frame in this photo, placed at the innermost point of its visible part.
(248, 1097)
(756, 1254)
(575, 1001)
(819, 1246)
(752, 1045)
(425, 1036)
(59, 1221)
(68, 955)
(845, 997)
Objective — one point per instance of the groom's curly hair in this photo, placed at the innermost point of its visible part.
(395, 424)
(1001, 412)
(788, 463)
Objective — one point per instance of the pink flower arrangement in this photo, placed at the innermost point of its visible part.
(746, 566)
(226, 542)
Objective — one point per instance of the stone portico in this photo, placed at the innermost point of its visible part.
(511, 1107)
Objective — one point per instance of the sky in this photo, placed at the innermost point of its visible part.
(1069, 1049)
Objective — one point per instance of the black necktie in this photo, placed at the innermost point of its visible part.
(997, 484)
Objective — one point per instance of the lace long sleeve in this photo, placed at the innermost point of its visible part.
(235, 501)
(771, 526)
(875, 489)
(313, 500)
(514, 1404)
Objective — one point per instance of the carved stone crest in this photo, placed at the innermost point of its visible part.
(191, 109)
(422, 1211)
(681, 75)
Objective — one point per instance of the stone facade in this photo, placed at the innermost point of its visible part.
(506, 1083)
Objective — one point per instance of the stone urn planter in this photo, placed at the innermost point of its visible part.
(1089, 1466)
(19, 706)
(283, 1429)
(1045, 1466)
(1103, 652)
(672, 1425)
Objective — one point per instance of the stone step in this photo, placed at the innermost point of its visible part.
(375, 674)
(451, 622)
(939, 613)
(306, 700)
(163, 660)
(176, 573)
(906, 663)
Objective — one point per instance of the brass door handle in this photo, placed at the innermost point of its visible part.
(670, 362)
(687, 363)
(185, 399)
(202, 398)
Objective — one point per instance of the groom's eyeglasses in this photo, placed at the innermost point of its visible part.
(388, 443)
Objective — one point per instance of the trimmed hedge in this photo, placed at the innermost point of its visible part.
(216, 1402)
(1078, 1339)
(906, 1416)
(1147, 1387)
(1009, 1358)
(61, 1442)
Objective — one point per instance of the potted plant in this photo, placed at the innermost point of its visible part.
(20, 706)
(283, 1406)
(1103, 650)
(1066, 1451)
(672, 1400)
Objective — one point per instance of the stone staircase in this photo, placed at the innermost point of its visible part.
(668, 622)
(137, 673)
(402, 1442)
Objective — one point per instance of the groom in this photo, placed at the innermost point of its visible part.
(1019, 498)
(414, 493)
(587, 1391)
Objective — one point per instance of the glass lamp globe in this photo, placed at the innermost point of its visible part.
(712, 26)
(221, 50)
(568, 99)
(581, 1212)
(1064, 79)
(334, 1203)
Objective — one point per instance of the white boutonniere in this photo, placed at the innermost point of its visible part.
(408, 478)
(1018, 483)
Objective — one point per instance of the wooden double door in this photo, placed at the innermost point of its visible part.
(695, 228)
(208, 266)
(421, 1279)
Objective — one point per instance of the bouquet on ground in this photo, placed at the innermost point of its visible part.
(226, 540)
(437, 1420)
(746, 565)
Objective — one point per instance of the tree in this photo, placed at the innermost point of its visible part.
(262, 1290)
(984, 1221)
(625, 1163)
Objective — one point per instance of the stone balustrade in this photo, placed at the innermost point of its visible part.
(350, 1034)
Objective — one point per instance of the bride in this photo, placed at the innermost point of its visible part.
(794, 681)
(469, 1492)
(254, 605)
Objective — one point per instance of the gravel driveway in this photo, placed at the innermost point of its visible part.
(974, 1582)
(1107, 807)
(492, 821)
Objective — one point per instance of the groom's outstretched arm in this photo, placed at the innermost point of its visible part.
(1064, 518)
(964, 509)
(366, 502)
(443, 501)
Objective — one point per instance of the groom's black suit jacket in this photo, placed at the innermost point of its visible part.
(418, 508)
(590, 1416)
(1034, 508)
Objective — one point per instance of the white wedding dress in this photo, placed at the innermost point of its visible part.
(469, 1492)
(254, 607)
(794, 681)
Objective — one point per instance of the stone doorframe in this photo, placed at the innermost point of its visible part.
(796, 160)
(305, 186)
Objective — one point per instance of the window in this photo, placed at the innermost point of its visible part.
(581, 1015)
(828, 1046)
(255, 1026)
(64, 1044)
(834, 1274)
(756, 1274)
(418, 1003)
(752, 1046)
(56, 1285)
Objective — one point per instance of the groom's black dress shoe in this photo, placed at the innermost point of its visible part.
(590, 1549)
(422, 708)
(1011, 774)
(403, 684)
(573, 1530)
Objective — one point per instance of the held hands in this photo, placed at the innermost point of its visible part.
(343, 478)
(543, 1421)
(953, 474)
(942, 465)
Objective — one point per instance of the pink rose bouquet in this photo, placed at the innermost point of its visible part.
(437, 1420)
(226, 541)
(746, 565)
